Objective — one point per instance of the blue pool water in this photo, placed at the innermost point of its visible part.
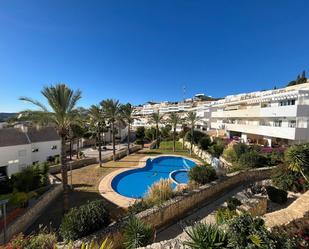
(135, 183)
(180, 176)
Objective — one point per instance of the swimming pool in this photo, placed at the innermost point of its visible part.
(180, 176)
(134, 183)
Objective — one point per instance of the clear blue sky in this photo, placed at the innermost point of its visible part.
(137, 51)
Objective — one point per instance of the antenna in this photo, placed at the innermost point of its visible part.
(184, 93)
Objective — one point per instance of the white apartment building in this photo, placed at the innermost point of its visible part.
(20, 148)
(202, 108)
(273, 117)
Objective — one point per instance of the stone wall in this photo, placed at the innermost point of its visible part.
(121, 153)
(32, 212)
(208, 158)
(74, 164)
(256, 205)
(178, 207)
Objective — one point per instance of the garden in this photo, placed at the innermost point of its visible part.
(23, 188)
(232, 227)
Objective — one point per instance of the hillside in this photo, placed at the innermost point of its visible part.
(5, 115)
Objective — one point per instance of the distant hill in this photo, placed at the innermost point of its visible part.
(5, 115)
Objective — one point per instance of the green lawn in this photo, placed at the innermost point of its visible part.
(166, 147)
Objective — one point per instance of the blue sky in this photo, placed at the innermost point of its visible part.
(137, 51)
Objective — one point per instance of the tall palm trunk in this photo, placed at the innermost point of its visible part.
(157, 136)
(192, 132)
(70, 149)
(129, 136)
(114, 142)
(100, 145)
(64, 175)
(183, 138)
(77, 148)
(174, 139)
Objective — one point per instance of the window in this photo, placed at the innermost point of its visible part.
(277, 123)
(292, 124)
(54, 147)
(35, 150)
(287, 102)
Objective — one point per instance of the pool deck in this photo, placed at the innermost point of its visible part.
(107, 191)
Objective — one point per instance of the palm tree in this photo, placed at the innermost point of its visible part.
(77, 131)
(97, 121)
(297, 158)
(156, 118)
(111, 111)
(174, 120)
(183, 127)
(127, 111)
(61, 112)
(192, 119)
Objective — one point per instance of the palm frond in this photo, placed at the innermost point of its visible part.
(35, 102)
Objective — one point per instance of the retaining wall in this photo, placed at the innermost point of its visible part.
(32, 213)
(74, 164)
(207, 157)
(180, 206)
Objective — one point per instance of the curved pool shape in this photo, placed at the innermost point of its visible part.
(180, 176)
(134, 183)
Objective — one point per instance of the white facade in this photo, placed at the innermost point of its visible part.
(42, 150)
(17, 157)
(276, 116)
(21, 147)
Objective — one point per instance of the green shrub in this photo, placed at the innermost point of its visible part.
(274, 158)
(21, 198)
(205, 236)
(248, 232)
(150, 133)
(240, 148)
(204, 142)
(277, 195)
(139, 206)
(288, 180)
(224, 214)
(159, 192)
(42, 241)
(137, 234)
(202, 174)
(197, 135)
(31, 178)
(233, 203)
(38, 241)
(251, 159)
(229, 154)
(81, 221)
(216, 149)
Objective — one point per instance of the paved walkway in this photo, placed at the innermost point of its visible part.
(296, 210)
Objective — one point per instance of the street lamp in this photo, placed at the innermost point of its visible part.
(3, 209)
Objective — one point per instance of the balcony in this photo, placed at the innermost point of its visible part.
(275, 111)
(269, 131)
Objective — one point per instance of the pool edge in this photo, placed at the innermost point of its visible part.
(105, 186)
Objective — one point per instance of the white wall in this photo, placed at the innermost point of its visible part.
(45, 150)
(15, 157)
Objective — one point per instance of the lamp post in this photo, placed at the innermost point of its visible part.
(3, 207)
